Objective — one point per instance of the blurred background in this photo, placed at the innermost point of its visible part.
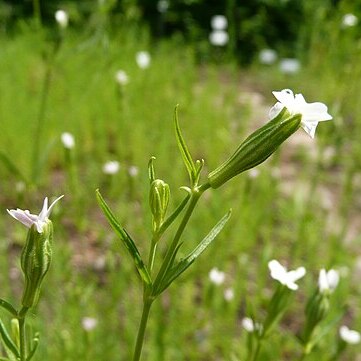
(87, 96)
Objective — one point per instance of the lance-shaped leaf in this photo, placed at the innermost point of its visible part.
(185, 263)
(10, 347)
(125, 238)
(187, 158)
(8, 307)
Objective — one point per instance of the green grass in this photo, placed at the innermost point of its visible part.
(91, 275)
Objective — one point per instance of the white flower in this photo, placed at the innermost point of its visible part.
(289, 65)
(312, 113)
(68, 140)
(349, 336)
(133, 171)
(89, 323)
(162, 6)
(218, 37)
(219, 22)
(328, 281)
(28, 219)
(216, 276)
(228, 294)
(111, 167)
(62, 18)
(349, 20)
(249, 325)
(287, 278)
(121, 77)
(267, 56)
(143, 59)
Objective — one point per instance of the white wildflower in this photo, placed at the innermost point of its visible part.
(143, 59)
(111, 167)
(287, 278)
(89, 323)
(349, 20)
(228, 294)
(219, 22)
(267, 56)
(133, 171)
(349, 336)
(68, 140)
(62, 18)
(28, 219)
(312, 113)
(121, 77)
(328, 281)
(289, 65)
(216, 276)
(162, 6)
(218, 37)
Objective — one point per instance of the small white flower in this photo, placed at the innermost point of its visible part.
(349, 20)
(121, 77)
(249, 325)
(216, 276)
(349, 336)
(219, 22)
(89, 323)
(111, 167)
(28, 219)
(218, 37)
(228, 294)
(289, 65)
(267, 56)
(328, 281)
(312, 113)
(287, 278)
(68, 140)
(143, 59)
(62, 18)
(133, 171)
(162, 6)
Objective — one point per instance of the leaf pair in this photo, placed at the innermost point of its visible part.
(193, 169)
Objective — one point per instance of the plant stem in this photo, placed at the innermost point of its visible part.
(141, 331)
(22, 335)
(257, 351)
(37, 12)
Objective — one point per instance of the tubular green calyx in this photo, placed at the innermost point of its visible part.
(35, 261)
(256, 148)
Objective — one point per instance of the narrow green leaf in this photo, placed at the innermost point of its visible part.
(125, 238)
(187, 159)
(187, 261)
(8, 307)
(8, 343)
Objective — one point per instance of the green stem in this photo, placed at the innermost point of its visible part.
(153, 249)
(22, 335)
(141, 331)
(37, 12)
(257, 351)
(172, 248)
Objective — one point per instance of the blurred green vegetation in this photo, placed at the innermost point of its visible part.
(302, 207)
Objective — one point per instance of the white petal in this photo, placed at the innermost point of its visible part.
(315, 112)
(285, 97)
(349, 336)
(21, 216)
(278, 272)
(297, 274)
(323, 281)
(275, 110)
(44, 211)
(309, 128)
(333, 278)
(52, 205)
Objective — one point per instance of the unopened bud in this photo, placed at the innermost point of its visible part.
(257, 147)
(158, 201)
(35, 261)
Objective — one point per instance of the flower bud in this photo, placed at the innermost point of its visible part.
(158, 201)
(256, 148)
(35, 261)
